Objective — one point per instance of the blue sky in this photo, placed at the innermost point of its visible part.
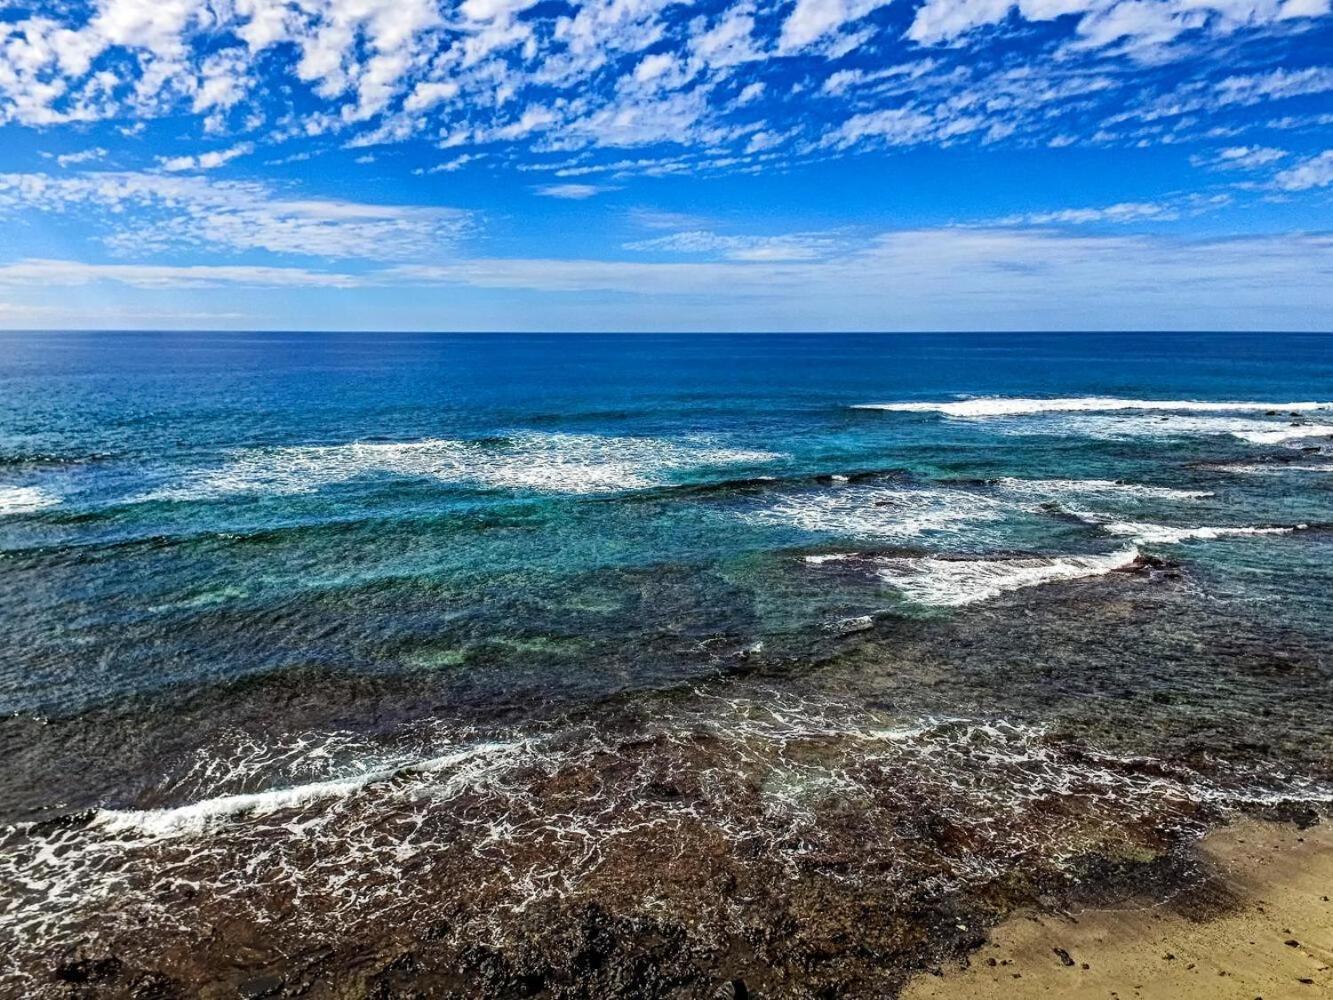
(651, 165)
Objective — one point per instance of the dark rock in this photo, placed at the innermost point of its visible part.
(89, 970)
(259, 986)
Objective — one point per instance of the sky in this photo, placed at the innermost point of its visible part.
(659, 165)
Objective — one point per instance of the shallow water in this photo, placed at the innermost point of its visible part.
(304, 633)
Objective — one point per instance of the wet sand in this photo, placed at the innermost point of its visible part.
(1260, 926)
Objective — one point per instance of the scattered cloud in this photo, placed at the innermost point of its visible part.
(1239, 158)
(570, 192)
(140, 213)
(205, 161)
(798, 246)
(84, 156)
(1122, 213)
(1315, 172)
(161, 276)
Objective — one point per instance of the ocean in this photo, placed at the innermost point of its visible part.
(632, 665)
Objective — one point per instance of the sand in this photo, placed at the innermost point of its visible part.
(1270, 936)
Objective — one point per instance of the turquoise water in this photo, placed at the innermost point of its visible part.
(243, 563)
(186, 509)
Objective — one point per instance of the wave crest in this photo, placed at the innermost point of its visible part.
(1008, 406)
(558, 463)
(947, 582)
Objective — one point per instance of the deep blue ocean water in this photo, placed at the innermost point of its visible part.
(212, 545)
(160, 494)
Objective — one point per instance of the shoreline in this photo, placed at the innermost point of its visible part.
(1259, 925)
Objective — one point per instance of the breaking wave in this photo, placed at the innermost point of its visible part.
(1170, 534)
(947, 582)
(1004, 406)
(559, 463)
(882, 512)
(25, 499)
(784, 789)
(1078, 487)
(1165, 534)
(1270, 468)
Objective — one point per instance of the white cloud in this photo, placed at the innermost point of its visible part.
(811, 20)
(570, 192)
(1316, 172)
(51, 273)
(144, 213)
(943, 278)
(1242, 157)
(84, 156)
(205, 161)
(796, 246)
(1147, 24)
(1122, 212)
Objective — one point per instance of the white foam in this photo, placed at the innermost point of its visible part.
(882, 512)
(1112, 427)
(1049, 487)
(562, 463)
(1271, 468)
(197, 817)
(950, 583)
(25, 499)
(1003, 406)
(1165, 534)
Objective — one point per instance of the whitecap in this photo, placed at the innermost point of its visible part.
(882, 512)
(25, 499)
(559, 463)
(197, 817)
(1056, 487)
(1166, 534)
(1113, 427)
(1270, 468)
(1008, 406)
(944, 582)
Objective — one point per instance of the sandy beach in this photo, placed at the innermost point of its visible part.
(1261, 926)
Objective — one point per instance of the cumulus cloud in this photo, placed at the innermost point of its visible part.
(205, 161)
(617, 73)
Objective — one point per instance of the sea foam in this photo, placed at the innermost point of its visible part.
(1078, 487)
(1166, 534)
(945, 582)
(197, 817)
(25, 499)
(558, 463)
(1003, 406)
(882, 512)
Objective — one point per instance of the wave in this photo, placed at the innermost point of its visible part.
(947, 582)
(1165, 534)
(198, 817)
(1170, 534)
(557, 463)
(1048, 487)
(1269, 468)
(25, 499)
(881, 512)
(1009, 406)
(1113, 427)
(527, 818)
